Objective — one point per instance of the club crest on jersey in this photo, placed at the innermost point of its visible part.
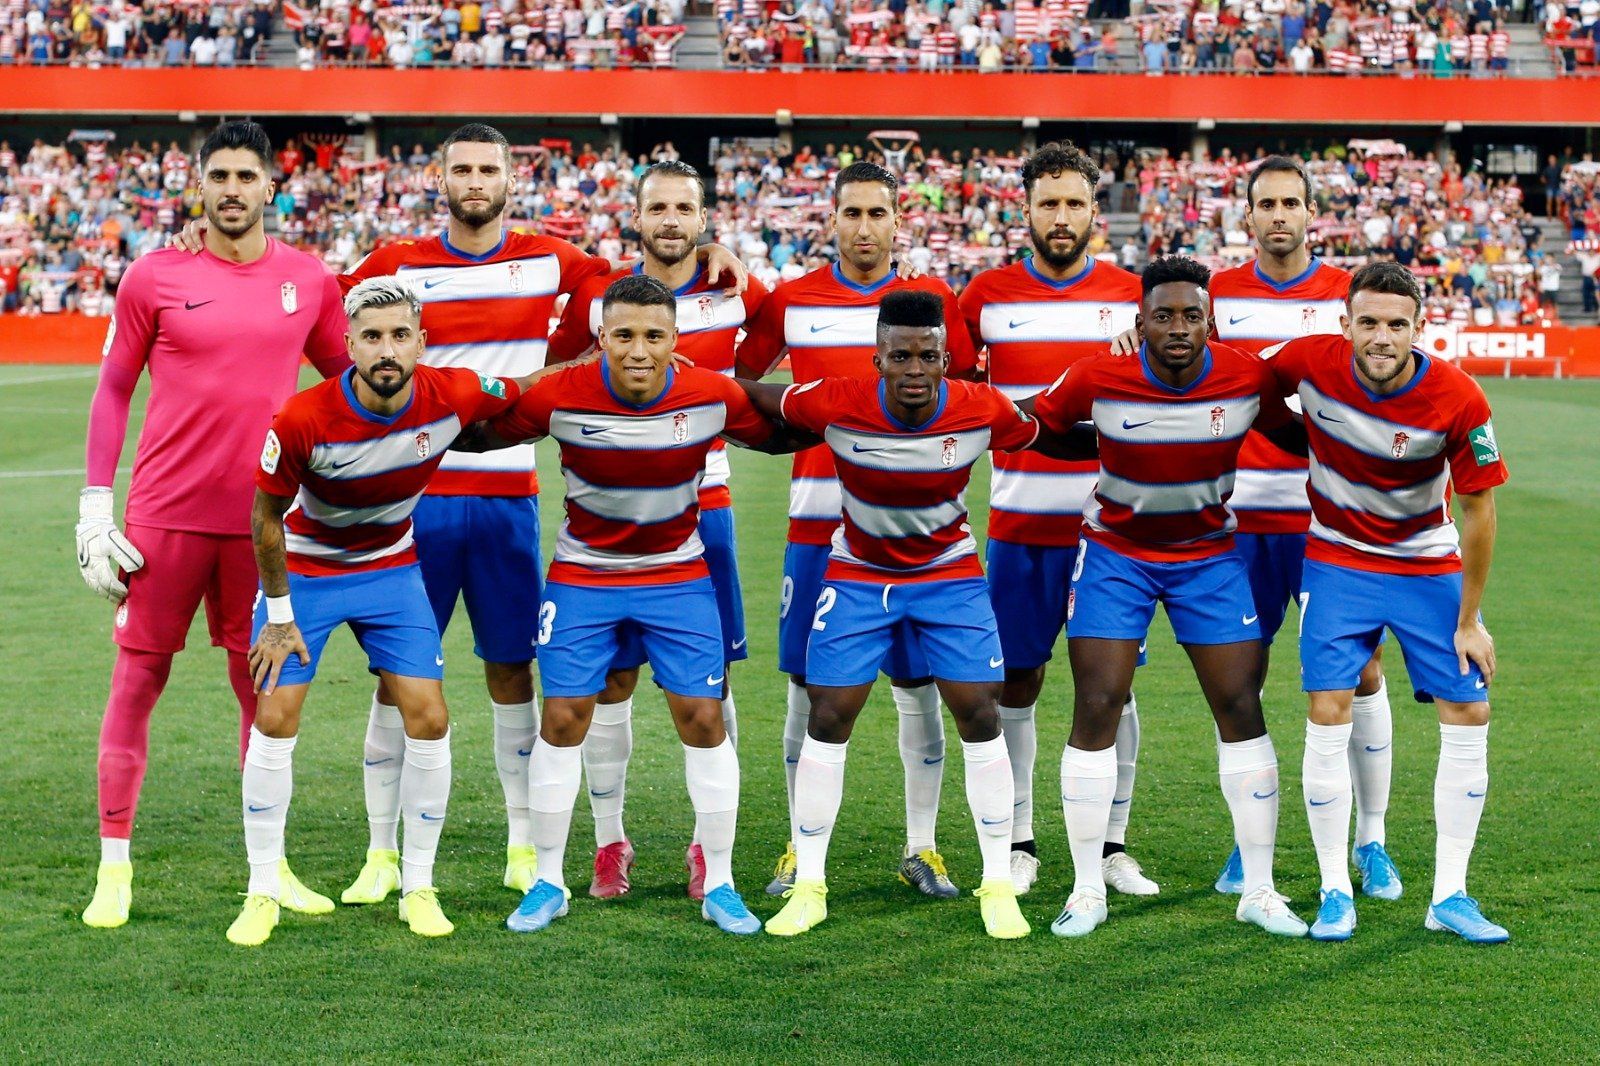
(287, 293)
(708, 310)
(947, 451)
(424, 445)
(680, 427)
(1308, 320)
(1402, 441)
(514, 274)
(1219, 421)
(1105, 322)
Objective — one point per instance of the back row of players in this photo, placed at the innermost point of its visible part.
(485, 303)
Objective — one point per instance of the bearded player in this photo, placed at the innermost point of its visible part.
(826, 322)
(1036, 318)
(222, 334)
(671, 219)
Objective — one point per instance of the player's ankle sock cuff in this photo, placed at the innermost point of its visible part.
(1111, 848)
(1026, 846)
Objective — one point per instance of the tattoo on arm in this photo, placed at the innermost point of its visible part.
(266, 533)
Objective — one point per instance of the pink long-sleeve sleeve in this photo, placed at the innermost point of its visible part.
(108, 422)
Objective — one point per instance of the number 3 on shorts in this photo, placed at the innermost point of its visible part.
(1077, 565)
(824, 605)
(547, 620)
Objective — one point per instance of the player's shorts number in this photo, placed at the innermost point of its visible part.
(547, 620)
(1077, 564)
(785, 597)
(824, 605)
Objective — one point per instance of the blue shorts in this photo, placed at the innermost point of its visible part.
(387, 610)
(950, 623)
(484, 549)
(1274, 562)
(722, 558)
(1343, 613)
(803, 567)
(581, 628)
(1114, 597)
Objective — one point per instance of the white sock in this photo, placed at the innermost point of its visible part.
(424, 798)
(795, 720)
(1370, 770)
(268, 786)
(1325, 779)
(990, 794)
(382, 757)
(1249, 773)
(1088, 781)
(606, 750)
(1017, 725)
(1458, 791)
(554, 775)
(730, 717)
(922, 756)
(114, 849)
(712, 775)
(819, 789)
(515, 726)
(1127, 764)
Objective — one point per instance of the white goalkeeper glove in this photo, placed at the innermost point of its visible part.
(102, 547)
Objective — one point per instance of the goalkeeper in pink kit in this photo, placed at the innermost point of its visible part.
(222, 334)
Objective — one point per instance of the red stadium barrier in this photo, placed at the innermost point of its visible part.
(1560, 351)
(844, 95)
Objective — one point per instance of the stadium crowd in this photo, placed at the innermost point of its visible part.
(72, 216)
(219, 33)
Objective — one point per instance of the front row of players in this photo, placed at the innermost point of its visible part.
(1389, 431)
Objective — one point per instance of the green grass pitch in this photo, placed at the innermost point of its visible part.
(890, 976)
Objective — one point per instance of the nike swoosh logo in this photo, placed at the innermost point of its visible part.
(1319, 803)
(791, 762)
(119, 810)
(858, 449)
(426, 817)
(1266, 796)
(590, 431)
(187, 306)
(257, 810)
(819, 329)
(438, 660)
(811, 831)
(376, 762)
(1380, 747)
(392, 781)
(1477, 795)
(1134, 425)
(602, 795)
(1077, 799)
(932, 762)
(431, 282)
(1249, 619)
(1327, 417)
(341, 466)
(715, 680)
(995, 821)
(1480, 683)
(1014, 324)
(995, 664)
(524, 752)
(1232, 321)
(736, 645)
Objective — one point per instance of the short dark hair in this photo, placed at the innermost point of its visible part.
(864, 171)
(1280, 164)
(1385, 276)
(917, 308)
(238, 134)
(639, 290)
(1058, 157)
(1174, 268)
(675, 168)
(477, 133)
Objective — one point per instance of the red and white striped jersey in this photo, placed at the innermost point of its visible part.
(904, 487)
(490, 313)
(356, 476)
(1252, 312)
(633, 472)
(829, 327)
(1382, 466)
(1168, 457)
(709, 321)
(1035, 328)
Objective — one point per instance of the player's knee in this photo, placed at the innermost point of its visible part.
(700, 723)
(509, 682)
(1371, 675)
(563, 724)
(1242, 709)
(1022, 687)
(430, 721)
(829, 723)
(620, 685)
(1328, 708)
(274, 719)
(1475, 713)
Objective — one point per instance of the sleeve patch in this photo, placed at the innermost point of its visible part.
(1485, 449)
(271, 452)
(493, 386)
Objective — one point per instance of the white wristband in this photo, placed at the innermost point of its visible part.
(96, 501)
(279, 610)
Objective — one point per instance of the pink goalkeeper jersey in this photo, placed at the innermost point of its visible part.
(223, 343)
